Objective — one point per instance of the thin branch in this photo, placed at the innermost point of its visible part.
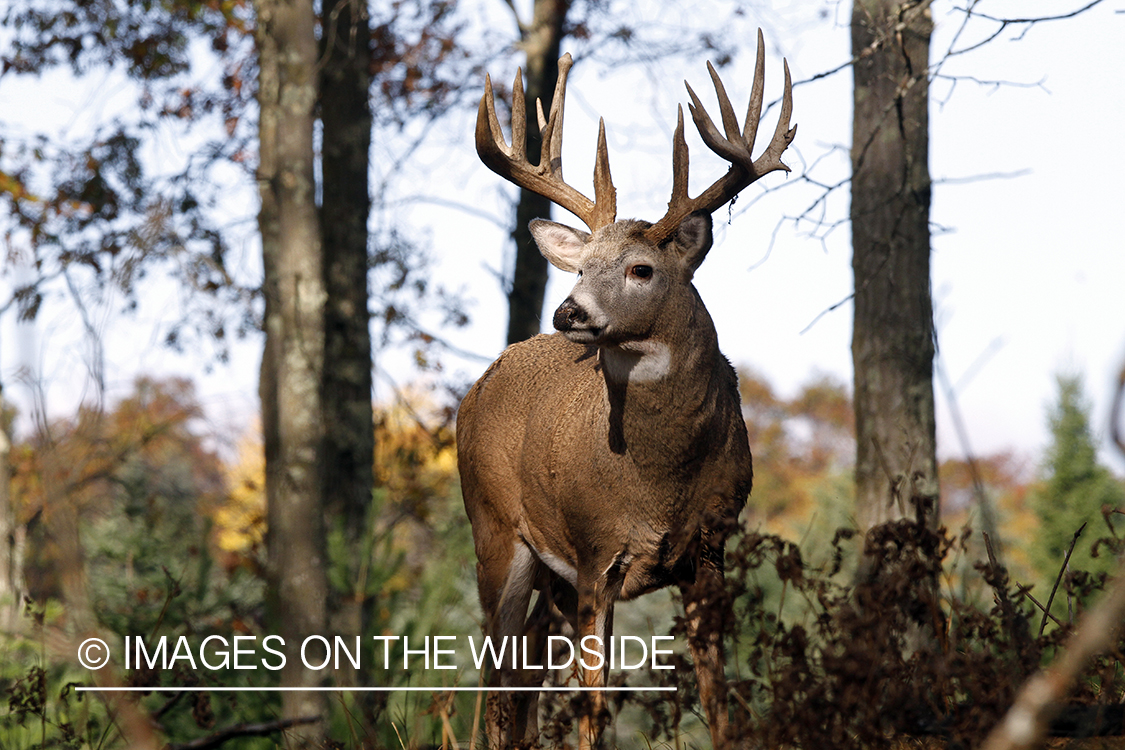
(1013, 21)
(168, 705)
(1006, 22)
(523, 27)
(981, 177)
(1062, 571)
(1026, 591)
(993, 84)
(977, 364)
(1000, 592)
(988, 517)
(827, 310)
(243, 730)
(872, 48)
(468, 208)
(866, 281)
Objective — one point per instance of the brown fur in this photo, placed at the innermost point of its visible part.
(632, 484)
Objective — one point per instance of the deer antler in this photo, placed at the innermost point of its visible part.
(510, 162)
(735, 147)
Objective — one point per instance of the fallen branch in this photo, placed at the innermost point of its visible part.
(242, 730)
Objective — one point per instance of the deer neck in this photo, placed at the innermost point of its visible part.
(664, 385)
(638, 362)
(682, 350)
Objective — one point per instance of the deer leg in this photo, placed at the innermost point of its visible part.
(595, 616)
(531, 669)
(705, 610)
(505, 594)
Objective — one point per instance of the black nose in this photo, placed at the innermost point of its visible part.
(569, 316)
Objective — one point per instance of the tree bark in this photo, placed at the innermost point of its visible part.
(893, 336)
(349, 440)
(541, 42)
(345, 209)
(293, 359)
(12, 536)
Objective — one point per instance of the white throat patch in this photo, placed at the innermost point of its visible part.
(637, 362)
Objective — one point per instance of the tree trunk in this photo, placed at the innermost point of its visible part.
(293, 359)
(349, 440)
(11, 538)
(345, 209)
(893, 336)
(541, 42)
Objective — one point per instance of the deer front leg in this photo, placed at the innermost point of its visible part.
(705, 608)
(595, 618)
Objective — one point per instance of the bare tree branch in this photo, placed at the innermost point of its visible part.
(1030, 20)
(1006, 22)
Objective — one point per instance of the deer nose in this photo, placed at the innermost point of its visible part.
(569, 315)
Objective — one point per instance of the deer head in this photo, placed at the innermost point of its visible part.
(610, 458)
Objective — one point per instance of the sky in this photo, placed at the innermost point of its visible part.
(1028, 263)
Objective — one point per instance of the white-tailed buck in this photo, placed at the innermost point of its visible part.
(610, 459)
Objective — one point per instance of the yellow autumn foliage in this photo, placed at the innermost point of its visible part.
(415, 461)
(240, 522)
(415, 455)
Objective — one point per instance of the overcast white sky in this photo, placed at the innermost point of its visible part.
(1027, 271)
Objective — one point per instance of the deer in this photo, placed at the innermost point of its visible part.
(610, 458)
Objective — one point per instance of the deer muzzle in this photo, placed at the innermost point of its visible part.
(572, 320)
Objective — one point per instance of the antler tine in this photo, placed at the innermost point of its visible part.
(545, 178)
(605, 195)
(519, 119)
(754, 110)
(491, 146)
(553, 132)
(729, 122)
(783, 135)
(548, 164)
(735, 147)
(679, 161)
(730, 147)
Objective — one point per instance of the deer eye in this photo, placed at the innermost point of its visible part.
(641, 272)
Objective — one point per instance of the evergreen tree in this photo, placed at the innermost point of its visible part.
(1073, 489)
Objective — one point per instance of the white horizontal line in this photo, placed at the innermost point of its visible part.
(195, 689)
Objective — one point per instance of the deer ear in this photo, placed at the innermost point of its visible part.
(694, 239)
(561, 245)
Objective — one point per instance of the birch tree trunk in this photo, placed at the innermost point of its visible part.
(893, 336)
(293, 360)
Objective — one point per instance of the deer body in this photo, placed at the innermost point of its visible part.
(611, 456)
(609, 459)
(658, 432)
(656, 474)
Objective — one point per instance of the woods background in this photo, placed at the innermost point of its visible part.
(264, 190)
